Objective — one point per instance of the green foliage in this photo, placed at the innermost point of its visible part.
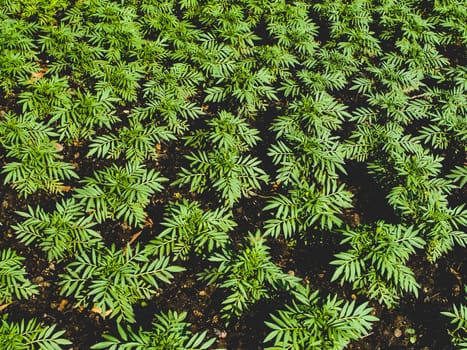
(78, 119)
(376, 262)
(189, 228)
(317, 323)
(169, 331)
(320, 87)
(223, 165)
(18, 53)
(62, 233)
(43, 11)
(458, 317)
(13, 281)
(120, 80)
(459, 174)
(420, 195)
(120, 193)
(444, 228)
(137, 142)
(249, 275)
(43, 95)
(251, 90)
(307, 207)
(38, 166)
(30, 335)
(306, 148)
(309, 159)
(168, 97)
(113, 280)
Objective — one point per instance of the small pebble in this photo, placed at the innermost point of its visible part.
(220, 334)
(62, 305)
(197, 313)
(397, 333)
(38, 279)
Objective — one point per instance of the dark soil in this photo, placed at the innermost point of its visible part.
(441, 283)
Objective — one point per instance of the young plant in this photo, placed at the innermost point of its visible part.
(38, 166)
(60, 234)
(169, 97)
(42, 11)
(222, 164)
(292, 28)
(119, 80)
(44, 95)
(113, 280)
(307, 206)
(420, 195)
(249, 275)
(250, 90)
(120, 193)
(376, 261)
(16, 130)
(13, 281)
(19, 54)
(78, 119)
(189, 228)
(316, 323)
(306, 147)
(458, 318)
(31, 335)
(310, 159)
(137, 142)
(169, 331)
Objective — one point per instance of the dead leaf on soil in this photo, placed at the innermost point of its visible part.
(456, 274)
(35, 76)
(98, 310)
(134, 237)
(221, 334)
(65, 188)
(148, 222)
(4, 306)
(276, 185)
(197, 313)
(62, 305)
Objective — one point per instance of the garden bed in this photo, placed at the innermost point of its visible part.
(233, 175)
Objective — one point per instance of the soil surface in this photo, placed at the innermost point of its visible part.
(415, 324)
